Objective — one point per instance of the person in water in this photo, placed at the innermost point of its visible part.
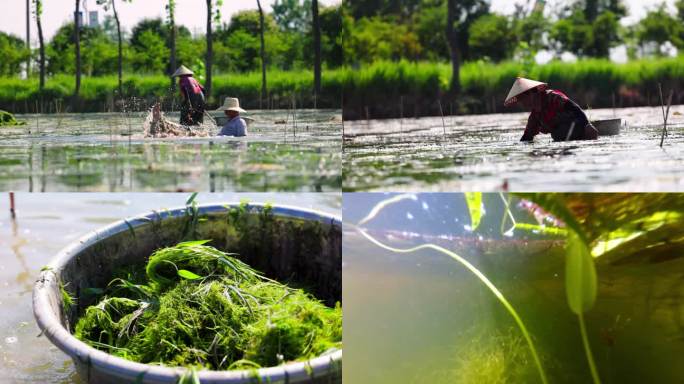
(551, 112)
(236, 125)
(192, 92)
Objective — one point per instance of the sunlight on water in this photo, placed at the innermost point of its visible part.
(108, 152)
(483, 153)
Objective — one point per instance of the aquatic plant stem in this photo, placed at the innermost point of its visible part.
(381, 205)
(587, 350)
(482, 278)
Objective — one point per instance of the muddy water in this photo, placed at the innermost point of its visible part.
(421, 317)
(47, 223)
(107, 152)
(483, 153)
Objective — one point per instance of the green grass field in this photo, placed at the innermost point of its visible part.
(98, 93)
(382, 86)
(385, 89)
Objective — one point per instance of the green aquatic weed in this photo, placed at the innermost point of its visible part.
(474, 202)
(204, 308)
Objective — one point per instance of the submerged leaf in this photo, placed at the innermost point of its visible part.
(474, 201)
(191, 198)
(580, 275)
(184, 273)
(541, 229)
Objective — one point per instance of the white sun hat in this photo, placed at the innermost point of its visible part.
(231, 104)
(520, 86)
(182, 70)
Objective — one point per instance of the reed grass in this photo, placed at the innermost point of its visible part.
(98, 93)
(588, 81)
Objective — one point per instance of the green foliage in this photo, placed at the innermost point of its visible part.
(491, 36)
(474, 202)
(7, 119)
(531, 30)
(98, 90)
(151, 53)
(292, 15)
(231, 317)
(14, 54)
(377, 38)
(429, 25)
(580, 275)
(146, 48)
(659, 27)
(383, 83)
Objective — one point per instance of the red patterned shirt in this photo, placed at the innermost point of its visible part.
(543, 121)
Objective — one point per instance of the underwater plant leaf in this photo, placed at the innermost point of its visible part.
(555, 205)
(382, 204)
(184, 273)
(497, 293)
(191, 198)
(474, 202)
(541, 229)
(580, 275)
(192, 243)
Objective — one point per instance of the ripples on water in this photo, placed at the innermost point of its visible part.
(483, 153)
(107, 152)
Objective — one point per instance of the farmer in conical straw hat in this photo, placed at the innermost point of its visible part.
(192, 92)
(552, 112)
(236, 125)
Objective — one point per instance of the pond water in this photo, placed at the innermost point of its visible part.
(483, 153)
(107, 152)
(421, 317)
(47, 223)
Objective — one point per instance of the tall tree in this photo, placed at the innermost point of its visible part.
(264, 94)
(460, 15)
(454, 51)
(28, 36)
(118, 36)
(77, 45)
(171, 9)
(38, 5)
(317, 47)
(211, 17)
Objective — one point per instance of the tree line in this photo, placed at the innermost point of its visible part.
(250, 40)
(469, 30)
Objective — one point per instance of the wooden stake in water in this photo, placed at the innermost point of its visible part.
(401, 113)
(439, 102)
(367, 117)
(12, 210)
(294, 116)
(666, 113)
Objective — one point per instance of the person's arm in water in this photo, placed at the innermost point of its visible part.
(532, 128)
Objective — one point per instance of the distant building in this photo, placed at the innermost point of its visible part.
(93, 20)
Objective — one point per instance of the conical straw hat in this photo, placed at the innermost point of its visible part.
(231, 104)
(182, 70)
(520, 86)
